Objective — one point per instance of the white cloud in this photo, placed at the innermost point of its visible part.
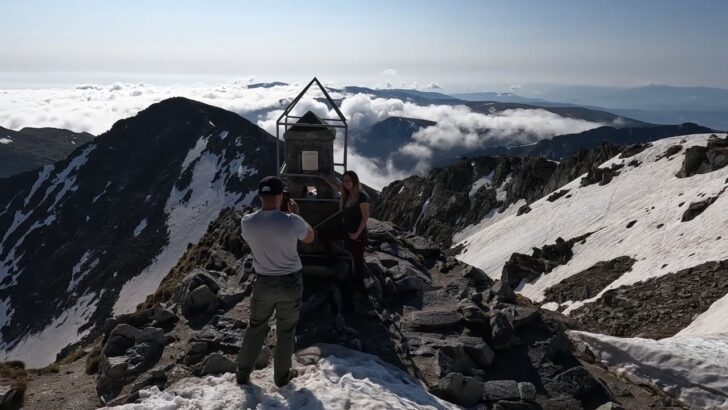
(433, 86)
(391, 72)
(94, 108)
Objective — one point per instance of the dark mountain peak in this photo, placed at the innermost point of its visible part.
(54, 132)
(120, 207)
(31, 148)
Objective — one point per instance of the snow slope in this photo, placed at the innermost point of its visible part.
(693, 365)
(39, 349)
(349, 379)
(187, 218)
(693, 368)
(649, 194)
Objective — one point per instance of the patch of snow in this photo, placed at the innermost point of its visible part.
(81, 269)
(691, 368)
(550, 306)
(711, 321)
(187, 221)
(101, 194)
(21, 215)
(6, 312)
(194, 153)
(245, 171)
(249, 197)
(42, 177)
(223, 135)
(606, 211)
(6, 140)
(40, 349)
(356, 381)
(210, 122)
(487, 180)
(501, 194)
(67, 177)
(9, 265)
(422, 212)
(139, 228)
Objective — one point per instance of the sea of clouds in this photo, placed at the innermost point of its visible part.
(94, 108)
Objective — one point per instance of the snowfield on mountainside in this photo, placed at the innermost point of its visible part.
(640, 213)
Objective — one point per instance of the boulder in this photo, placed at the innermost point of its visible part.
(411, 284)
(152, 335)
(501, 331)
(141, 356)
(195, 352)
(575, 382)
(527, 391)
(463, 390)
(11, 397)
(515, 405)
(230, 298)
(163, 317)
(476, 278)
(422, 246)
(434, 320)
(217, 363)
(199, 299)
(112, 376)
(501, 390)
(697, 208)
(521, 266)
(520, 316)
(121, 338)
(502, 289)
(196, 293)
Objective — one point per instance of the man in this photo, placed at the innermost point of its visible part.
(272, 236)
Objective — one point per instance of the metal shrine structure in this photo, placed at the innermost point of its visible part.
(309, 152)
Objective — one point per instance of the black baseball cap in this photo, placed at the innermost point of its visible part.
(270, 185)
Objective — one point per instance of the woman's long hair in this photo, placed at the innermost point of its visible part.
(348, 198)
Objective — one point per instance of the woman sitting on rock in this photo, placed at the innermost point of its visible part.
(355, 210)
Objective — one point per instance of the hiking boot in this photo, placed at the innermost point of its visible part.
(242, 378)
(292, 374)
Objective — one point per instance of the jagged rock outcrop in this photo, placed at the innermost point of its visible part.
(542, 260)
(462, 194)
(704, 159)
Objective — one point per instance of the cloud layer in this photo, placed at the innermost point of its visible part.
(94, 108)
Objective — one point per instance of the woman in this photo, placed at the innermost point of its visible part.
(355, 210)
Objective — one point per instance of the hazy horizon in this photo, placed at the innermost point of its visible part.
(459, 47)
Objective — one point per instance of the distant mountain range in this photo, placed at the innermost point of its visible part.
(562, 146)
(657, 104)
(31, 148)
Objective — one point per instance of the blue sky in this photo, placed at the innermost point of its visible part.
(458, 45)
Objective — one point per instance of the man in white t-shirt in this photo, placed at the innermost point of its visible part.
(273, 238)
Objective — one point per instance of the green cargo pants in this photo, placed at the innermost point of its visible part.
(282, 295)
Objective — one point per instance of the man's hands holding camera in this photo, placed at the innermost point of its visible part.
(293, 207)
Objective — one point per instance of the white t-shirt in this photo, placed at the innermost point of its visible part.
(273, 238)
